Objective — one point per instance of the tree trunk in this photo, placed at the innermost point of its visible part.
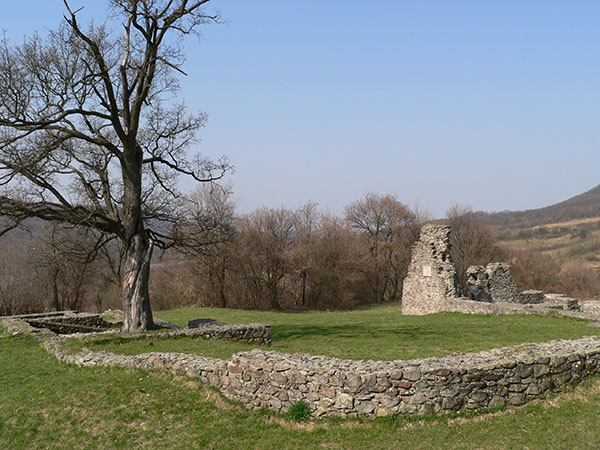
(55, 298)
(222, 296)
(135, 300)
(303, 301)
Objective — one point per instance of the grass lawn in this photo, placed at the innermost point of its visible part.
(374, 333)
(48, 404)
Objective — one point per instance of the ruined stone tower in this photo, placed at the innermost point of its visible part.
(431, 275)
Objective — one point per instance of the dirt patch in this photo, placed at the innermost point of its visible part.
(483, 417)
(138, 425)
(292, 425)
(217, 399)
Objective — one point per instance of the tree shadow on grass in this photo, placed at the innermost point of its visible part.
(281, 333)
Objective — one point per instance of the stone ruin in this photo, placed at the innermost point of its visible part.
(432, 286)
(431, 275)
(494, 284)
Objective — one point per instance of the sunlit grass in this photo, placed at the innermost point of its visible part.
(380, 333)
(47, 404)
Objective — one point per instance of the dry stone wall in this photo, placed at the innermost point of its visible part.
(331, 386)
(431, 275)
(44, 315)
(589, 308)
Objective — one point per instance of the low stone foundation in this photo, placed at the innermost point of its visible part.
(64, 321)
(505, 376)
(252, 333)
(332, 386)
(585, 310)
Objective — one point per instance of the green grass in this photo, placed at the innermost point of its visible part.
(380, 333)
(47, 404)
(197, 345)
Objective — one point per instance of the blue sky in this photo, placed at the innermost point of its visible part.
(495, 104)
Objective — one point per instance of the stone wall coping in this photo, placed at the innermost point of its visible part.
(199, 331)
(41, 315)
(497, 357)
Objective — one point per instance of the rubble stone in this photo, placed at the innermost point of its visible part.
(495, 281)
(531, 296)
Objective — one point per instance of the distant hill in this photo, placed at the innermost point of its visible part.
(582, 206)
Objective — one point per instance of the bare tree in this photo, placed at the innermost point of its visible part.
(266, 239)
(307, 221)
(387, 228)
(68, 257)
(422, 214)
(207, 236)
(337, 271)
(472, 241)
(20, 283)
(91, 133)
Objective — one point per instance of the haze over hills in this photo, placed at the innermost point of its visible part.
(568, 231)
(582, 206)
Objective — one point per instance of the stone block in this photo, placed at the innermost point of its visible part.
(540, 370)
(496, 401)
(534, 389)
(344, 401)
(531, 296)
(478, 396)
(365, 408)
(353, 381)
(452, 404)
(412, 374)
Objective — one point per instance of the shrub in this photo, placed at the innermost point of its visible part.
(299, 411)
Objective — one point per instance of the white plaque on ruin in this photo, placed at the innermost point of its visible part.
(426, 271)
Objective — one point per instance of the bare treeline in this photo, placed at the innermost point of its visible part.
(277, 258)
(270, 259)
(58, 268)
(273, 258)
